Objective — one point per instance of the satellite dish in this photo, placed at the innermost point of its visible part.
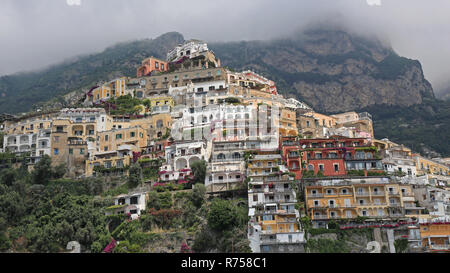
(74, 246)
(304, 146)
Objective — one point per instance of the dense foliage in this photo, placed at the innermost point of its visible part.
(43, 216)
(422, 127)
(199, 170)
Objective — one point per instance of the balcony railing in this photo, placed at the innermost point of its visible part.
(439, 247)
(362, 194)
(317, 195)
(378, 194)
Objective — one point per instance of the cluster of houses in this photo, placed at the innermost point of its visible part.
(292, 161)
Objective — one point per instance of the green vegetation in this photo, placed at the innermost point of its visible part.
(199, 170)
(26, 89)
(135, 175)
(226, 228)
(44, 215)
(326, 246)
(124, 105)
(421, 127)
(401, 245)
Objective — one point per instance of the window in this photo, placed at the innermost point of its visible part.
(119, 136)
(336, 167)
(106, 137)
(81, 151)
(55, 151)
(134, 200)
(71, 151)
(132, 134)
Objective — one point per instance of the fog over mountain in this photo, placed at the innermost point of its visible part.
(35, 34)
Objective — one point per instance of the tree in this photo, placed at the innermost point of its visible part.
(8, 176)
(222, 215)
(59, 171)
(134, 178)
(401, 245)
(198, 195)
(199, 171)
(42, 171)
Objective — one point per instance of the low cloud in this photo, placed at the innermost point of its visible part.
(35, 34)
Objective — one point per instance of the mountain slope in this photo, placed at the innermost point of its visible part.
(332, 70)
(20, 91)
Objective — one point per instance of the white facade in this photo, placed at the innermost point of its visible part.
(189, 49)
(38, 144)
(87, 115)
(131, 203)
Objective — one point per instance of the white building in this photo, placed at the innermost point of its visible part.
(132, 204)
(189, 49)
(179, 158)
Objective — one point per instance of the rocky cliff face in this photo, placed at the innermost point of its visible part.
(332, 70)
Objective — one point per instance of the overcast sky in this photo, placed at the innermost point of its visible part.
(37, 33)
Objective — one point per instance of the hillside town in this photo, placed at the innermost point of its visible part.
(300, 170)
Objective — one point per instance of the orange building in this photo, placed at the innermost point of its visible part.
(151, 64)
(436, 236)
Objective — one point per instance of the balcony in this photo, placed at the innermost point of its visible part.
(320, 217)
(396, 215)
(378, 194)
(362, 194)
(317, 195)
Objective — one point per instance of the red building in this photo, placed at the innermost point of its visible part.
(333, 156)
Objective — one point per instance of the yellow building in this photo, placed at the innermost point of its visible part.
(111, 140)
(161, 104)
(116, 162)
(30, 125)
(264, 163)
(428, 166)
(278, 222)
(160, 125)
(288, 122)
(323, 120)
(348, 200)
(112, 89)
